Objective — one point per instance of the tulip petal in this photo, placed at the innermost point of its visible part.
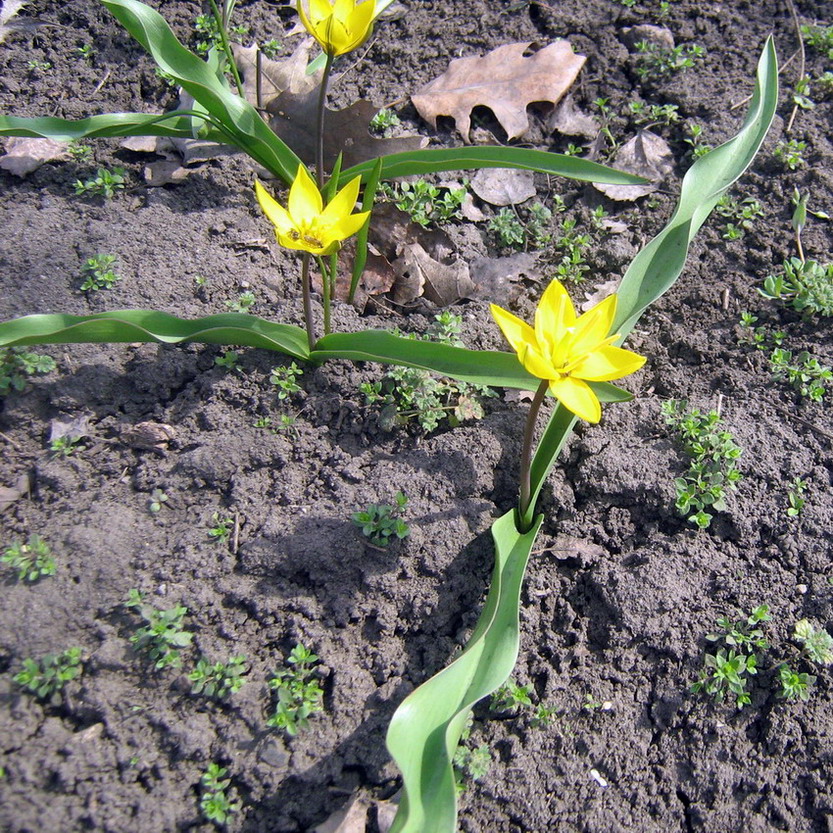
(608, 363)
(554, 315)
(318, 9)
(593, 327)
(334, 233)
(536, 364)
(342, 203)
(518, 333)
(578, 397)
(274, 211)
(304, 203)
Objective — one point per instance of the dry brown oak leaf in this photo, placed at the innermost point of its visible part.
(505, 81)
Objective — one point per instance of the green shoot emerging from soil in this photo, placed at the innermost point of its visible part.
(795, 497)
(17, 364)
(794, 685)
(470, 764)
(32, 560)
(215, 803)
(817, 645)
(222, 529)
(218, 680)
(511, 697)
(104, 184)
(807, 287)
(162, 638)
(47, 676)
(712, 468)
(381, 524)
(285, 380)
(658, 62)
(98, 273)
(426, 203)
(298, 692)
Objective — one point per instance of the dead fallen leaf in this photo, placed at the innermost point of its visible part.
(504, 81)
(288, 74)
(349, 819)
(9, 494)
(496, 278)
(503, 186)
(72, 429)
(566, 118)
(647, 155)
(442, 284)
(599, 294)
(25, 155)
(165, 172)
(293, 118)
(9, 9)
(151, 436)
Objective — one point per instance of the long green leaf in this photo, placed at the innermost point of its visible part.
(436, 160)
(426, 728)
(147, 325)
(658, 265)
(241, 122)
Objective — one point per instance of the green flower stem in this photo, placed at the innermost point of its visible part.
(222, 25)
(322, 101)
(326, 294)
(307, 295)
(526, 455)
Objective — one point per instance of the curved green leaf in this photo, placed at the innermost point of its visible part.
(147, 325)
(435, 160)
(426, 728)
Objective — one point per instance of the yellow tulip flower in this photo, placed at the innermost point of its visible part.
(569, 351)
(305, 224)
(339, 26)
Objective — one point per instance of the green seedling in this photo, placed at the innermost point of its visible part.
(216, 805)
(795, 497)
(156, 501)
(511, 697)
(712, 470)
(244, 302)
(169, 80)
(104, 184)
(98, 273)
(382, 524)
(85, 51)
(271, 48)
(573, 150)
(384, 120)
(817, 645)
(32, 560)
(426, 204)
(825, 84)
(162, 638)
(807, 286)
(285, 380)
(657, 62)
(791, 154)
(228, 360)
(299, 694)
(209, 34)
(79, 152)
(573, 248)
(743, 633)
(741, 215)
(17, 364)
(794, 685)
(654, 114)
(513, 233)
(802, 371)
(223, 526)
(65, 446)
(47, 676)
(470, 764)
(38, 66)
(544, 716)
(819, 38)
(218, 680)
(695, 140)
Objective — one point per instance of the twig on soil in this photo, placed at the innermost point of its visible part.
(10, 441)
(802, 60)
(809, 424)
(781, 69)
(101, 83)
(235, 539)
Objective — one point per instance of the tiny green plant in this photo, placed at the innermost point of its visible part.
(795, 497)
(801, 370)
(426, 203)
(162, 637)
(740, 215)
(65, 445)
(32, 560)
(105, 183)
(156, 501)
(712, 470)
(511, 697)
(285, 379)
(79, 152)
(470, 764)
(98, 273)
(699, 147)
(47, 676)
(218, 680)
(654, 114)
(271, 48)
(38, 66)
(221, 531)
(298, 692)
(656, 62)
(794, 685)
(384, 120)
(819, 38)
(228, 360)
(817, 645)
(209, 35)
(216, 802)
(17, 364)
(85, 51)
(382, 524)
(791, 154)
(807, 286)
(743, 633)
(243, 303)
(543, 717)
(513, 233)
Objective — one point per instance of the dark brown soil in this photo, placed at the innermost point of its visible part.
(619, 597)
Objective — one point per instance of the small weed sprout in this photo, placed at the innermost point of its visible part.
(543, 717)
(791, 154)
(271, 48)
(79, 152)
(32, 560)
(17, 364)
(512, 233)
(817, 645)
(381, 524)
(228, 360)
(285, 380)
(221, 531)
(208, 32)
(795, 497)
(426, 203)
(243, 303)
(65, 445)
(740, 214)
(298, 692)
(794, 685)
(384, 120)
(470, 764)
(105, 183)
(654, 114)
(511, 697)
(819, 38)
(162, 638)
(38, 66)
(156, 501)
(47, 676)
(216, 805)
(218, 680)
(807, 286)
(85, 51)
(695, 140)
(712, 468)
(657, 62)
(98, 273)
(802, 371)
